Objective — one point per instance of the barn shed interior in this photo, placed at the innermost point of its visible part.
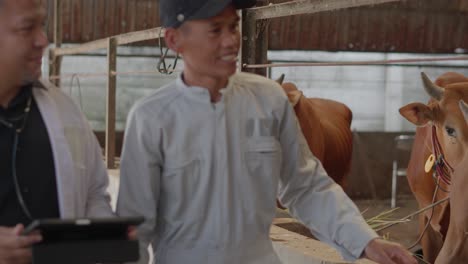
(367, 54)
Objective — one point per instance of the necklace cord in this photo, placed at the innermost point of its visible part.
(14, 151)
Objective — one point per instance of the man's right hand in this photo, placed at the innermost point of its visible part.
(14, 247)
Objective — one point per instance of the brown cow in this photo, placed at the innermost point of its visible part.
(326, 127)
(443, 116)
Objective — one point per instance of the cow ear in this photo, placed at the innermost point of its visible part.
(417, 113)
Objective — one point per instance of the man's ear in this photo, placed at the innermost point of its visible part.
(417, 113)
(173, 39)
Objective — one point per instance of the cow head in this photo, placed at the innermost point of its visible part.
(443, 112)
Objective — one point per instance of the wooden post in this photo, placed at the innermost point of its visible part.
(254, 41)
(52, 68)
(55, 62)
(262, 26)
(261, 50)
(110, 103)
(248, 40)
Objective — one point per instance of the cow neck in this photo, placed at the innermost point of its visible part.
(442, 168)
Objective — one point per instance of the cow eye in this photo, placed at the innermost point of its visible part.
(451, 132)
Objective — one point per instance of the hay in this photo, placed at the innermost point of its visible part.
(383, 219)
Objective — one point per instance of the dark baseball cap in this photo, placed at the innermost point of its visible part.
(175, 12)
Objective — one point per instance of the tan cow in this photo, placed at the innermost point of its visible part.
(443, 132)
(326, 127)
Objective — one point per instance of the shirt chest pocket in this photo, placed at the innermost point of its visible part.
(263, 157)
(262, 147)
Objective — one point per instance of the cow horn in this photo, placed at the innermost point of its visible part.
(280, 79)
(464, 109)
(431, 88)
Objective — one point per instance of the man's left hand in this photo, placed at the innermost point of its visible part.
(385, 252)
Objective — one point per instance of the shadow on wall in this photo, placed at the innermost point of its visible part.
(371, 167)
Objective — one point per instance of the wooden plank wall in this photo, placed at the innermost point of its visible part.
(428, 26)
(87, 20)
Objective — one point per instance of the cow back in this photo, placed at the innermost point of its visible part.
(335, 119)
(326, 128)
(311, 126)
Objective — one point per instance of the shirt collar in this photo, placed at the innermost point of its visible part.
(198, 92)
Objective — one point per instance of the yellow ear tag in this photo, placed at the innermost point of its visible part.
(429, 163)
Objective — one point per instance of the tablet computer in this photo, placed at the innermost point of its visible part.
(60, 230)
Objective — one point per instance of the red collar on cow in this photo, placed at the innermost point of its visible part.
(442, 168)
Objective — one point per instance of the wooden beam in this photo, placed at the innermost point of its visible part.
(308, 7)
(110, 103)
(127, 38)
(137, 36)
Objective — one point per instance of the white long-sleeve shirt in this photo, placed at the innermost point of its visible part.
(206, 176)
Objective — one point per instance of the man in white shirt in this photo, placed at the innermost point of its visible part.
(50, 162)
(205, 157)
